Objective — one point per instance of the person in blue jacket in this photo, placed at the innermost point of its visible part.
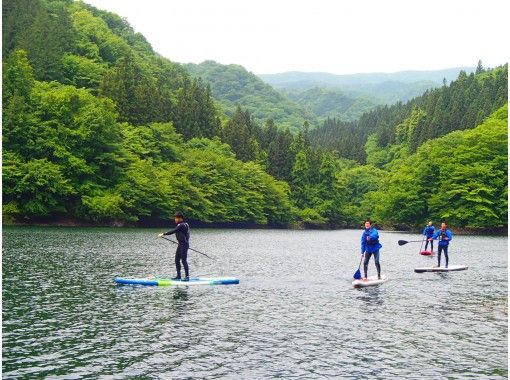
(428, 232)
(444, 235)
(370, 246)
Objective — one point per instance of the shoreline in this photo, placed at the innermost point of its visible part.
(74, 223)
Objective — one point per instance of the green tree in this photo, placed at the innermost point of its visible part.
(238, 132)
(18, 82)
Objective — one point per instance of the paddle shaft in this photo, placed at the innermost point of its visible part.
(421, 245)
(362, 256)
(191, 249)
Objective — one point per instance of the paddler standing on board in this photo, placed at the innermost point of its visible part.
(444, 235)
(428, 232)
(370, 246)
(182, 233)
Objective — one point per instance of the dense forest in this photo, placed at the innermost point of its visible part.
(233, 85)
(334, 103)
(99, 128)
(462, 104)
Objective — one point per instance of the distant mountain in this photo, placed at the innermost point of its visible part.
(331, 102)
(347, 97)
(233, 85)
(306, 80)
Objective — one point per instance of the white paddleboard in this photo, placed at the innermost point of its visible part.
(451, 268)
(371, 281)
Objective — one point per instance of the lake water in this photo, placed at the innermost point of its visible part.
(293, 315)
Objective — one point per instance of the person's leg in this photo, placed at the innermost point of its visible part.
(439, 250)
(178, 262)
(426, 244)
(365, 263)
(432, 246)
(184, 258)
(445, 249)
(377, 265)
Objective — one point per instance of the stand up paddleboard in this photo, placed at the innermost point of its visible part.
(426, 253)
(167, 282)
(451, 268)
(371, 281)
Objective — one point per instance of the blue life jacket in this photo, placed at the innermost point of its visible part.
(429, 231)
(439, 234)
(370, 246)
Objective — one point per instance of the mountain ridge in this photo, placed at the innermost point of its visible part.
(407, 76)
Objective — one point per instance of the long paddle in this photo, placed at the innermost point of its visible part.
(402, 242)
(421, 245)
(191, 249)
(357, 274)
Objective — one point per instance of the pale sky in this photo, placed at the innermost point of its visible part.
(341, 37)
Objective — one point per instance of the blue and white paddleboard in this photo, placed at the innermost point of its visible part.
(169, 282)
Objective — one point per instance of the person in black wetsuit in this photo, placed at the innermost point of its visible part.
(182, 233)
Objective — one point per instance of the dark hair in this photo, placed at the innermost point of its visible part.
(179, 215)
(369, 221)
(445, 222)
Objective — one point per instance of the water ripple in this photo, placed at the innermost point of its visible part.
(294, 315)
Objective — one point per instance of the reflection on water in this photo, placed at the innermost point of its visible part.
(370, 295)
(294, 314)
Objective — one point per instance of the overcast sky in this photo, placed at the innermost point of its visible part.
(342, 37)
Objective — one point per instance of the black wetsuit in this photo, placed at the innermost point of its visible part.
(181, 232)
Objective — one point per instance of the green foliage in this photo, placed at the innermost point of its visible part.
(69, 154)
(82, 71)
(104, 205)
(97, 126)
(463, 104)
(239, 134)
(134, 91)
(233, 86)
(18, 82)
(461, 177)
(333, 102)
(360, 181)
(43, 29)
(195, 114)
(34, 188)
(94, 39)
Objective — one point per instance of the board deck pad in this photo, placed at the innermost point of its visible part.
(427, 253)
(451, 268)
(169, 282)
(371, 281)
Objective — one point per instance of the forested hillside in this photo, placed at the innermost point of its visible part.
(234, 86)
(461, 177)
(78, 45)
(347, 97)
(99, 128)
(334, 103)
(463, 104)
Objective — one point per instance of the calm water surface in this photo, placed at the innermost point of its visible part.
(294, 314)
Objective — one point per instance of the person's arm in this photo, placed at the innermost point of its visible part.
(425, 231)
(179, 227)
(435, 236)
(172, 231)
(374, 234)
(449, 235)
